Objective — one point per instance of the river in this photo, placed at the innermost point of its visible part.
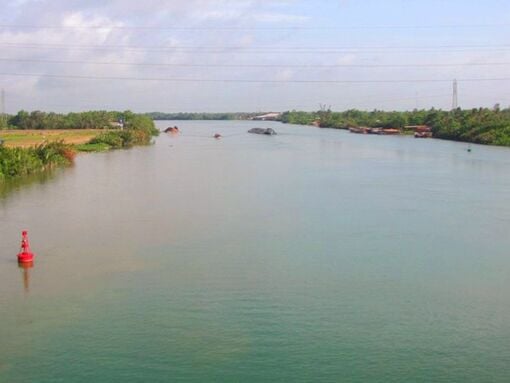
(313, 255)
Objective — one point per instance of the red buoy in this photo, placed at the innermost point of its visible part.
(25, 255)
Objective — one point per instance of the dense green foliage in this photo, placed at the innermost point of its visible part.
(141, 126)
(138, 130)
(3, 121)
(481, 125)
(201, 116)
(15, 162)
(82, 120)
(43, 120)
(97, 147)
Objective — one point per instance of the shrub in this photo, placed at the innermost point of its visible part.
(112, 139)
(15, 162)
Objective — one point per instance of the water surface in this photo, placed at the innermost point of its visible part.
(313, 255)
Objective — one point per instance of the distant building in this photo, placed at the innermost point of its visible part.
(273, 116)
(117, 125)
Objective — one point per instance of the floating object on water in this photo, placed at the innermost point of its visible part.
(359, 130)
(217, 136)
(267, 131)
(25, 255)
(422, 135)
(172, 129)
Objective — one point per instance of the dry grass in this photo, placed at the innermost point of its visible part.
(27, 138)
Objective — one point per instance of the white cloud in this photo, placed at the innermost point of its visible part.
(199, 23)
(345, 59)
(278, 18)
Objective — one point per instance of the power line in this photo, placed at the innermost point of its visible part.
(383, 81)
(263, 50)
(299, 48)
(312, 66)
(235, 28)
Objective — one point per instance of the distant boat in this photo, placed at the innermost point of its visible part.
(365, 130)
(268, 131)
(360, 130)
(172, 129)
(374, 130)
(390, 131)
(422, 134)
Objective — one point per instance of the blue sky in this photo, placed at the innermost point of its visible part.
(249, 55)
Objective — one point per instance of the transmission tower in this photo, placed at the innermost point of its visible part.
(455, 102)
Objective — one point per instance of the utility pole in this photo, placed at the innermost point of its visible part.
(455, 102)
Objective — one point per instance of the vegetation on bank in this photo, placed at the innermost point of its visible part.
(51, 150)
(38, 120)
(201, 116)
(99, 147)
(479, 125)
(16, 162)
(138, 130)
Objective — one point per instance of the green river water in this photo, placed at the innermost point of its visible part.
(311, 256)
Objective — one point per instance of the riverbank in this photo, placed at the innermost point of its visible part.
(25, 152)
(19, 162)
(487, 126)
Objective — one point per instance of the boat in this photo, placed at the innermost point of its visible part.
(375, 131)
(422, 134)
(360, 130)
(172, 129)
(389, 131)
(266, 131)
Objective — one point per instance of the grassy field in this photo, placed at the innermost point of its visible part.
(27, 138)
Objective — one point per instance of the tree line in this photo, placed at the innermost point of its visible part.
(479, 125)
(43, 120)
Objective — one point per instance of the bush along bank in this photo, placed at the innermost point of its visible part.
(18, 162)
(490, 126)
(137, 130)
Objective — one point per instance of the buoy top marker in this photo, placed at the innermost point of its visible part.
(25, 255)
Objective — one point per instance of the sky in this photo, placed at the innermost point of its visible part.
(253, 55)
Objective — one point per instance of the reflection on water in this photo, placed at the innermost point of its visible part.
(25, 271)
(12, 185)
